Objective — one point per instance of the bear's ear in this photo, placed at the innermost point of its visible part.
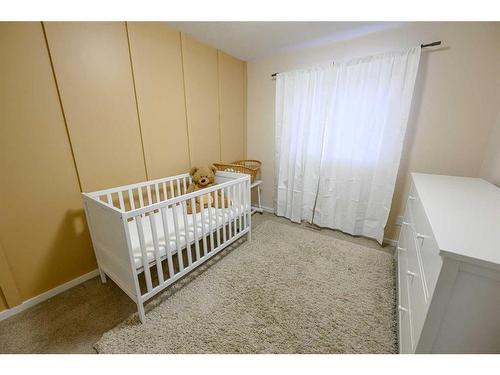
(213, 169)
(192, 171)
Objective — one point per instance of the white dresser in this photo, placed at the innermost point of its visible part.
(449, 266)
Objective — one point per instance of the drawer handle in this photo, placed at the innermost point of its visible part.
(421, 237)
(402, 249)
(412, 274)
(405, 223)
(411, 198)
(403, 309)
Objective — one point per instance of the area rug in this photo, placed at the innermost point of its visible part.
(288, 290)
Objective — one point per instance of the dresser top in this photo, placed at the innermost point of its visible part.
(464, 214)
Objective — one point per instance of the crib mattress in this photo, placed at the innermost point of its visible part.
(221, 215)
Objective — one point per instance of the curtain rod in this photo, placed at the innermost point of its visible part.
(433, 44)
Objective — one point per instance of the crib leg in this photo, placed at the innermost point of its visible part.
(140, 310)
(249, 234)
(103, 276)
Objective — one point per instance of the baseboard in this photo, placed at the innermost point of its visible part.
(390, 242)
(269, 210)
(46, 295)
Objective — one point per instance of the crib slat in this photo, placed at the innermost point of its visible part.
(171, 189)
(168, 250)
(217, 210)
(229, 212)
(195, 228)
(245, 202)
(236, 212)
(184, 185)
(141, 199)
(165, 196)
(179, 191)
(131, 199)
(156, 245)
(240, 205)
(177, 238)
(120, 199)
(203, 236)
(142, 243)
(234, 209)
(245, 199)
(110, 199)
(210, 223)
(186, 233)
(157, 191)
(224, 212)
(148, 189)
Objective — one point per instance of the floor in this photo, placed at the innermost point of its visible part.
(75, 320)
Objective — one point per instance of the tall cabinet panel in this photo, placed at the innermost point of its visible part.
(42, 228)
(157, 65)
(202, 92)
(232, 107)
(93, 70)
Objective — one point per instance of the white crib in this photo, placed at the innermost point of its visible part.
(145, 240)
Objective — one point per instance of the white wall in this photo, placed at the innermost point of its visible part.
(454, 108)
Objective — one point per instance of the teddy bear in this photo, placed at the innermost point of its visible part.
(202, 178)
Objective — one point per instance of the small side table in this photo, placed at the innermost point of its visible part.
(258, 208)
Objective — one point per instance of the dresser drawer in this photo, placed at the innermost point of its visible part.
(406, 342)
(417, 299)
(426, 244)
(415, 265)
(404, 321)
(402, 272)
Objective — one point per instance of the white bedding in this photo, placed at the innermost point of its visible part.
(134, 236)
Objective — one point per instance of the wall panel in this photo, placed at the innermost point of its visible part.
(202, 101)
(95, 134)
(93, 71)
(157, 64)
(232, 107)
(9, 294)
(42, 227)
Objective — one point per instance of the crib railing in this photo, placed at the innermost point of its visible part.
(130, 197)
(188, 239)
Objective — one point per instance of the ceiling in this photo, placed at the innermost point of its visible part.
(253, 40)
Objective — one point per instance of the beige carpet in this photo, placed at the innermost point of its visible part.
(289, 290)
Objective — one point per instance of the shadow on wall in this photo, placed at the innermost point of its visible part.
(62, 263)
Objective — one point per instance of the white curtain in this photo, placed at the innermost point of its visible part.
(302, 103)
(339, 134)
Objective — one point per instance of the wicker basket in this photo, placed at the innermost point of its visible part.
(250, 167)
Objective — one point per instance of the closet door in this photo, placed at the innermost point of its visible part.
(232, 107)
(93, 70)
(157, 63)
(200, 76)
(42, 227)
